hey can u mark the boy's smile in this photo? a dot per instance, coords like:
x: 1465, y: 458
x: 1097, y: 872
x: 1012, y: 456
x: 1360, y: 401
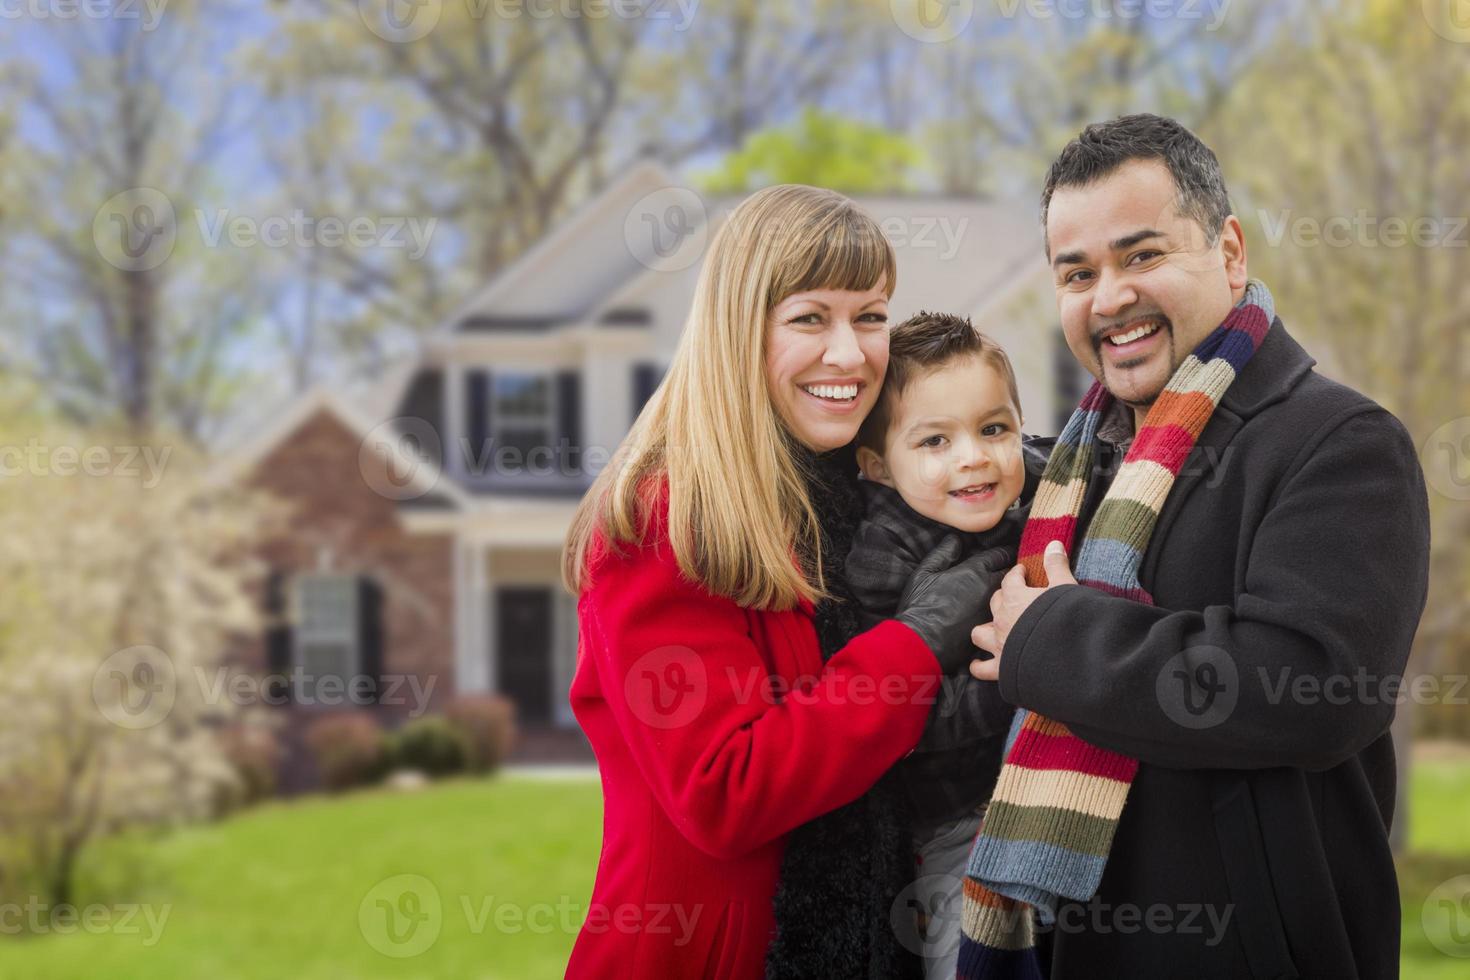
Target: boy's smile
x: 953, y: 449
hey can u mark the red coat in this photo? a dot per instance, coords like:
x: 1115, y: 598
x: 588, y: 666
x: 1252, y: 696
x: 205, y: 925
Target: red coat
x: 709, y: 757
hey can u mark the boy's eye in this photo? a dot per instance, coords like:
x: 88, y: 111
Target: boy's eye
x: 933, y: 442
x: 995, y: 429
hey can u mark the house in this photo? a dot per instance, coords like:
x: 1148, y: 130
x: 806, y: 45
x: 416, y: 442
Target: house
x: 431, y: 511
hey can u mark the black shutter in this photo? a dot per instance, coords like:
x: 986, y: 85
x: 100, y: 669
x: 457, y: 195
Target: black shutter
x: 645, y: 380
x: 370, y: 634
x: 277, y: 636
x: 569, y: 420
x: 477, y: 422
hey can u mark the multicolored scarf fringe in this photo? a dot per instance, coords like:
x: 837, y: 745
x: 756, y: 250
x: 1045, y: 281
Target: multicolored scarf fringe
x: 1056, y: 806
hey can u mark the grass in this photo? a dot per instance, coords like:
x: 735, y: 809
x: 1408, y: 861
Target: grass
x: 301, y: 889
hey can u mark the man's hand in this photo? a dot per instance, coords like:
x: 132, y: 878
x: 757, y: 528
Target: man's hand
x: 1008, y: 603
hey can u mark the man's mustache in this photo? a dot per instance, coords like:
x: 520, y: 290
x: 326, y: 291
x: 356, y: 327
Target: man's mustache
x: 1101, y: 325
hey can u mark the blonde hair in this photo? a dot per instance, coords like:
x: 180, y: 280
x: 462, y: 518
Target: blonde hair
x: 740, y: 520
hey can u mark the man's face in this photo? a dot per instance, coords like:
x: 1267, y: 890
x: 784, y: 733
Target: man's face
x: 1137, y: 286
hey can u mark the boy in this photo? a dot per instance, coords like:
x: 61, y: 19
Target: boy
x: 942, y: 456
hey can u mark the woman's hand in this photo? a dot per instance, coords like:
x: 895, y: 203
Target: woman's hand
x: 942, y: 603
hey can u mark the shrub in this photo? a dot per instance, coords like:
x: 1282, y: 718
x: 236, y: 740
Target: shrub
x: 432, y: 745
x: 348, y: 749
x: 488, y: 724
x: 254, y: 753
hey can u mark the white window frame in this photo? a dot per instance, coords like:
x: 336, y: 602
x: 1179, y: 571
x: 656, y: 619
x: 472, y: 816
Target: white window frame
x: 308, y: 629
x: 563, y: 655
x: 498, y: 416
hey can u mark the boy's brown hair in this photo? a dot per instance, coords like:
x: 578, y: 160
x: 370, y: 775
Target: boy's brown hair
x: 924, y: 343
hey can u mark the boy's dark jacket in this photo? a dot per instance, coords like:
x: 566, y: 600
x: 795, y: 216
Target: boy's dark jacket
x: 954, y: 766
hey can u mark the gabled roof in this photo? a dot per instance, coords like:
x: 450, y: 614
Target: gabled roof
x: 425, y: 477
x: 572, y: 268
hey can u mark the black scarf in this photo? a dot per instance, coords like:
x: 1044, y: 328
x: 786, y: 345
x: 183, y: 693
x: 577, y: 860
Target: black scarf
x: 843, y: 872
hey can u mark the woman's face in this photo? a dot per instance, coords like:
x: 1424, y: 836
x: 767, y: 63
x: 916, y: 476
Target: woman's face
x: 826, y: 351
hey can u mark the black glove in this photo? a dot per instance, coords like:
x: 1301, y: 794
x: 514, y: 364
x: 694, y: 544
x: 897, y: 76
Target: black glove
x: 943, y: 604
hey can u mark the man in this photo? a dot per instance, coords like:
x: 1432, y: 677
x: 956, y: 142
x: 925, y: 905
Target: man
x: 1248, y: 657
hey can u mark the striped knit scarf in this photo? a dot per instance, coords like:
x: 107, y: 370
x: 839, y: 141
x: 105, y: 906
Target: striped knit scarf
x: 1051, y: 820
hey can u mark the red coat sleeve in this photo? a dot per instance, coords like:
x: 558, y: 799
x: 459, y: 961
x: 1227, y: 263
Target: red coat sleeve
x: 733, y: 765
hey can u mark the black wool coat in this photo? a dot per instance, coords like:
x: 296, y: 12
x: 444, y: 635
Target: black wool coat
x: 1289, y: 569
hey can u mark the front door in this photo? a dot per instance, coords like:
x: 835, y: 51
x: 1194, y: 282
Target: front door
x: 523, y: 638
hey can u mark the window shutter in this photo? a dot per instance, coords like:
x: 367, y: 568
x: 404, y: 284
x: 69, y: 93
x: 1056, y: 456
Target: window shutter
x: 277, y: 635
x: 569, y: 417
x: 646, y: 377
x: 477, y: 422
x: 370, y: 634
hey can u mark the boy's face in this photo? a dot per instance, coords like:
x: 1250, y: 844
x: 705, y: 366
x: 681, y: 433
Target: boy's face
x: 953, y: 448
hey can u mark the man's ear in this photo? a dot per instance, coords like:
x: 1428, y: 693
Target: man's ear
x: 1232, y: 246
x: 873, y: 466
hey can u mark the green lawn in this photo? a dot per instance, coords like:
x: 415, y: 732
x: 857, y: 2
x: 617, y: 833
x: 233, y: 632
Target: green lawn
x: 314, y: 889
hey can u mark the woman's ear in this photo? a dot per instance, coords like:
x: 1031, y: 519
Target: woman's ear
x: 873, y: 467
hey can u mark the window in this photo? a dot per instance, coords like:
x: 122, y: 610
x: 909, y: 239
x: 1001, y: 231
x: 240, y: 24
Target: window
x: 326, y: 633
x: 522, y: 419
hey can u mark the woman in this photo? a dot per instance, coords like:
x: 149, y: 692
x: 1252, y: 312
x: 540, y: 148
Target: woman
x: 720, y: 680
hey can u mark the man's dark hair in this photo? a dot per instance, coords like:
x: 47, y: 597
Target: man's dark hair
x: 924, y: 343
x: 1102, y: 148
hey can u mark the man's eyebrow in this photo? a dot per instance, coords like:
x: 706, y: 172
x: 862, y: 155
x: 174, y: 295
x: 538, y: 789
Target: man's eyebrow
x: 1128, y: 241
x: 1077, y: 257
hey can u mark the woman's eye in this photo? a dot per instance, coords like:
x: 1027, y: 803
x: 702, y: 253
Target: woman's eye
x: 806, y: 318
x: 874, y: 317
